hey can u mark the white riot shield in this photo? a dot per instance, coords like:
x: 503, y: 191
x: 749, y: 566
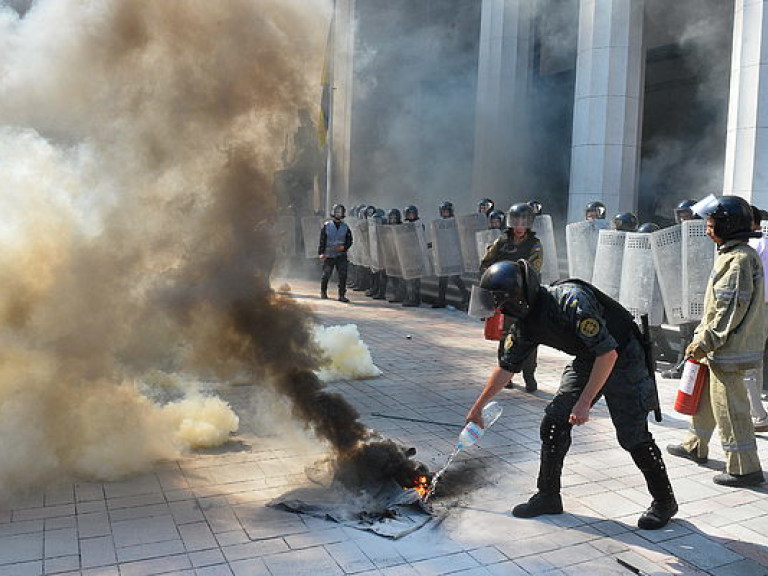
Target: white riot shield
x: 446, y: 249
x: 352, y: 253
x: 389, y: 250
x: 375, y: 246
x: 666, y: 246
x: 468, y: 226
x: 581, y: 246
x: 764, y: 227
x: 310, y: 229
x: 411, y: 245
x: 698, y: 259
x: 284, y: 233
x: 363, y: 250
x: 484, y: 239
x: 639, y: 291
x: 606, y: 274
x: 542, y: 226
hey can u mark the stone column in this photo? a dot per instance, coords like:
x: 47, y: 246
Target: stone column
x: 746, y: 151
x: 605, y: 151
x: 504, y: 68
x: 342, y: 84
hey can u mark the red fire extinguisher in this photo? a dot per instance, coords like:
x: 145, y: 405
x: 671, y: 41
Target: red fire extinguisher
x: 494, y: 326
x: 695, y: 377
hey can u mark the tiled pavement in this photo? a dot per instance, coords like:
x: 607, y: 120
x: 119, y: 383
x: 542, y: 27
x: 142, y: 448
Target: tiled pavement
x: 205, y: 514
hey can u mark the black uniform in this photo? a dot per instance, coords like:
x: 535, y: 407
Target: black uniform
x: 576, y: 319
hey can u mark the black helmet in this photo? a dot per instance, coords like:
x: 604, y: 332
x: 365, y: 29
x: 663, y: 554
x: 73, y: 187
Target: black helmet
x: 411, y: 213
x: 595, y: 211
x: 626, y: 221
x: 732, y: 216
x: 515, y: 286
x: 648, y: 227
x: 369, y: 210
x: 536, y: 206
x: 683, y: 211
x: 393, y: 216
x: 338, y: 211
x: 520, y: 214
x: 378, y: 216
x: 485, y: 206
x: 446, y: 209
x: 496, y: 219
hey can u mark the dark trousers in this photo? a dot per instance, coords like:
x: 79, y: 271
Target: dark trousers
x: 340, y: 263
x: 442, y: 288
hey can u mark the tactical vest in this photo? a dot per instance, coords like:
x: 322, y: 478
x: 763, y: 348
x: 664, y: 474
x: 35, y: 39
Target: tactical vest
x: 334, y: 238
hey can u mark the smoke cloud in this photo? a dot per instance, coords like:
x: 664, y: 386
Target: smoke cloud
x: 137, y: 144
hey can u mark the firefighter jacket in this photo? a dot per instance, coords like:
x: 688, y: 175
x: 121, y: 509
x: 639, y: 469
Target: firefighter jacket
x: 732, y: 327
x: 504, y: 249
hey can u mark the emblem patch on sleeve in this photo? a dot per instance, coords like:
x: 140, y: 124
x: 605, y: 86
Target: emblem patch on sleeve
x: 589, y: 327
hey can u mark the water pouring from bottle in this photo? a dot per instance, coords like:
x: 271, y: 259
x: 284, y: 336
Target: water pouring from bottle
x: 471, y: 433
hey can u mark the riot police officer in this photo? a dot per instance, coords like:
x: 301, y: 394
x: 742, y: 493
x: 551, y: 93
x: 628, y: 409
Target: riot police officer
x: 496, y: 220
x: 625, y: 222
x: 394, y: 218
x: 684, y: 211
x: 412, y: 286
x: 609, y: 360
x: 594, y: 211
x: 335, y: 240
x: 446, y: 211
x: 518, y: 242
x: 485, y: 206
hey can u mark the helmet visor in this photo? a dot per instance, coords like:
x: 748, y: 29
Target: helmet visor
x: 706, y: 206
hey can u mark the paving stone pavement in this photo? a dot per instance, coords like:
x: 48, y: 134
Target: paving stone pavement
x: 205, y: 514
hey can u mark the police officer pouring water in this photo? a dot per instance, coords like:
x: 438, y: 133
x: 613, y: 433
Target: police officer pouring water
x: 335, y: 240
x: 610, y: 360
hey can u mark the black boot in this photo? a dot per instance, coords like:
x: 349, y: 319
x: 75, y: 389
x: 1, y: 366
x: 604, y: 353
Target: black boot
x: 647, y: 457
x: 555, y: 441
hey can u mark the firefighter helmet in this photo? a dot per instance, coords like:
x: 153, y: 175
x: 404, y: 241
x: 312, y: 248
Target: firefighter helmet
x: 732, y: 216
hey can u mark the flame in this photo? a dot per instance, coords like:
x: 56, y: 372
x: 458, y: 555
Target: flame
x: 421, y: 485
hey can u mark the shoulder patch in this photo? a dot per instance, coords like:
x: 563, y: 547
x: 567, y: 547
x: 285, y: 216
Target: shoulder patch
x: 589, y: 327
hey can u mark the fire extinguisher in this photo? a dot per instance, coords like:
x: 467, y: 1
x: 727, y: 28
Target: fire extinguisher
x: 695, y: 376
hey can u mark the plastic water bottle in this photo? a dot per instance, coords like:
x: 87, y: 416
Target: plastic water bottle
x: 472, y: 432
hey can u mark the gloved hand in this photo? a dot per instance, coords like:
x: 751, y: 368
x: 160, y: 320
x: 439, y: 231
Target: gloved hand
x: 694, y: 351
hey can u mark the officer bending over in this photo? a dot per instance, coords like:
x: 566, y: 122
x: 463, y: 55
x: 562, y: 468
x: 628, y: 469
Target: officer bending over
x: 609, y: 360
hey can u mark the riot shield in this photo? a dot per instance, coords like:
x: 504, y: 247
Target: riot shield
x: 284, y: 233
x: 468, y: 226
x: 446, y: 249
x: 389, y: 250
x: 581, y: 246
x: 639, y: 291
x: 310, y: 229
x: 363, y: 250
x: 542, y: 226
x: 352, y: 253
x: 375, y: 245
x: 411, y: 245
x: 606, y: 274
x: 698, y: 257
x: 484, y: 239
x: 666, y: 246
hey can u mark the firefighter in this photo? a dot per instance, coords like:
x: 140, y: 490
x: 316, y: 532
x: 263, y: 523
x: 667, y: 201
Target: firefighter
x: 610, y: 360
x: 518, y: 242
x: 729, y: 338
x: 335, y: 240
